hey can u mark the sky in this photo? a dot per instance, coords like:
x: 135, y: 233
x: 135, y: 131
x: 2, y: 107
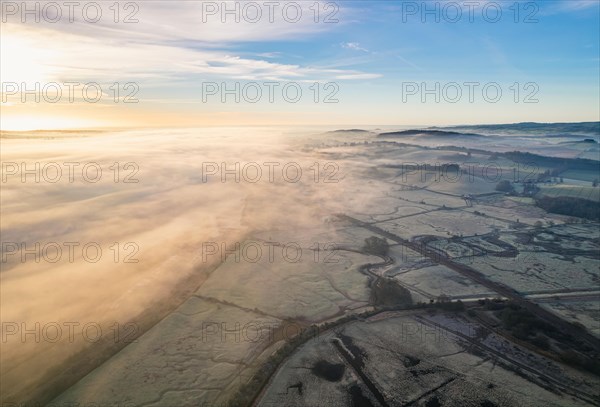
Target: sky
x: 198, y: 63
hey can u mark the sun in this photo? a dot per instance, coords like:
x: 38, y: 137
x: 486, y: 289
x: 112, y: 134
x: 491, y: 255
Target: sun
x: 21, y: 60
x: 28, y: 60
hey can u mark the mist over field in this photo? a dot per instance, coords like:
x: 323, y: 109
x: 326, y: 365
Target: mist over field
x: 107, y: 236
x: 161, y: 207
x: 281, y: 203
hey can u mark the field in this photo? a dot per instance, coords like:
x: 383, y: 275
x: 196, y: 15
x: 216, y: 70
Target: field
x: 435, y: 281
x: 421, y: 359
x: 216, y: 338
x: 574, y: 191
x: 584, y: 312
x: 286, y: 259
x: 588, y: 176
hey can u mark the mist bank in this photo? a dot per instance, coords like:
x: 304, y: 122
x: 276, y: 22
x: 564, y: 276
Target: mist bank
x: 103, y: 235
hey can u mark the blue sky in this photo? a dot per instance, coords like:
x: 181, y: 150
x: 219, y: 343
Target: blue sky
x: 374, y: 51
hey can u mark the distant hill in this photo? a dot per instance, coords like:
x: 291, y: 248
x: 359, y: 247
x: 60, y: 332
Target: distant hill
x: 349, y: 131
x: 558, y: 129
x: 430, y: 133
x: 587, y: 141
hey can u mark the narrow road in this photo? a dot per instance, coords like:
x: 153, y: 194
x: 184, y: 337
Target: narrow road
x: 350, y: 359
x: 479, y: 278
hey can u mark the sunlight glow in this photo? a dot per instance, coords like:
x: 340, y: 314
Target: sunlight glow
x: 22, y: 61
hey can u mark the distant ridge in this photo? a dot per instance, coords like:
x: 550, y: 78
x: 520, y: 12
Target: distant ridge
x: 585, y: 141
x: 438, y: 133
x: 553, y: 128
x: 349, y: 131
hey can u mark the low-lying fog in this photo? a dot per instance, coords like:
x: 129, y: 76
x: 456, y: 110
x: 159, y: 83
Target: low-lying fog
x: 100, y: 229
x: 83, y: 247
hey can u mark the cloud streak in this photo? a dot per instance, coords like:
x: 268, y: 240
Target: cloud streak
x: 170, y: 40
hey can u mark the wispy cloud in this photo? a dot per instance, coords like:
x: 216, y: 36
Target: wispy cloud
x: 575, y: 5
x: 269, y: 55
x: 171, y: 41
x: 355, y: 76
x: 354, y: 46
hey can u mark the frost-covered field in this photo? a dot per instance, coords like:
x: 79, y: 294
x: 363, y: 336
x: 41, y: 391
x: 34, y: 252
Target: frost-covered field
x: 418, y: 360
x: 442, y: 223
x: 314, y: 288
x: 161, y: 218
x: 195, y: 306
x: 539, y: 271
x: 439, y: 280
x: 210, y: 345
x: 586, y: 313
x: 190, y: 357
